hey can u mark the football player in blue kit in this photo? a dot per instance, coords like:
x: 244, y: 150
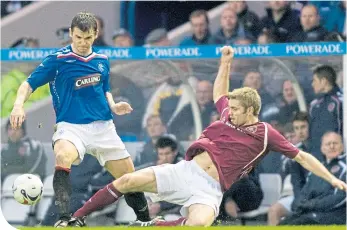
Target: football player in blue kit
x: 78, y: 77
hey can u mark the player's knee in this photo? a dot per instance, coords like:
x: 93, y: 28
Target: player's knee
x: 198, y: 221
x: 63, y: 158
x: 125, y: 183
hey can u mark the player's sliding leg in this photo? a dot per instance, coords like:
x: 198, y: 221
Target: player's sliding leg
x: 198, y: 215
x: 65, y: 154
x: 140, y: 181
x: 137, y: 201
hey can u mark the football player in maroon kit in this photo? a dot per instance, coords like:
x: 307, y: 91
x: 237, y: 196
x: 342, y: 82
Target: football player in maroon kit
x: 226, y: 150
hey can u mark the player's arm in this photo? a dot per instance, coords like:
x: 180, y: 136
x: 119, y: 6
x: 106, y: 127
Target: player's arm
x: 310, y: 163
x: 120, y: 108
x: 18, y: 115
x: 221, y: 84
x: 277, y: 143
x: 23, y: 94
x: 44, y: 73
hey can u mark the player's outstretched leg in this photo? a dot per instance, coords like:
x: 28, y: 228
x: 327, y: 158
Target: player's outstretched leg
x: 137, y: 200
x: 198, y: 215
x: 140, y: 181
x: 65, y: 154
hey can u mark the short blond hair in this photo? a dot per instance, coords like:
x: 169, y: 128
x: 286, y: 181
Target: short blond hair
x: 248, y: 97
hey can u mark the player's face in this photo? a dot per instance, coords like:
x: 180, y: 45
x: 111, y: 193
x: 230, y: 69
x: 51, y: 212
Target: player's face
x: 82, y: 41
x: 332, y: 146
x: 301, y: 130
x: 237, y: 113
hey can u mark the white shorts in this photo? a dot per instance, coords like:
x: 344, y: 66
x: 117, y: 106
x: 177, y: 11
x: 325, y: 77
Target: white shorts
x: 185, y: 183
x: 98, y: 138
x: 287, y: 202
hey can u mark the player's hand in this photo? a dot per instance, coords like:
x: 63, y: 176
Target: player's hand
x: 121, y: 108
x: 339, y: 184
x: 17, y: 117
x: 227, y: 54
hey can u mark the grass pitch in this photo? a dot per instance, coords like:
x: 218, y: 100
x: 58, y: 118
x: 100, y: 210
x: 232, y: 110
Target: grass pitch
x: 197, y: 228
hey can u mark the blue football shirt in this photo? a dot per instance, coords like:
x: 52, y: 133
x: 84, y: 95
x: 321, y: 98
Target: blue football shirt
x: 78, y: 85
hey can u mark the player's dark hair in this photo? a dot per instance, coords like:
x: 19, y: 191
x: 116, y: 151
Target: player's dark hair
x: 85, y: 22
x: 327, y: 72
x: 300, y: 116
x: 166, y: 141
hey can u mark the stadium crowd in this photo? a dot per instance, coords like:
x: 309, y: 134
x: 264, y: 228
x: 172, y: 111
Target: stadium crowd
x: 167, y: 119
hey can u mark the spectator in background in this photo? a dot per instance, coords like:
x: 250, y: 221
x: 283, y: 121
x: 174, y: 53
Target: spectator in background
x: 171, y: 96
x: 100, y: 39
x: 248, y: 19
x: 26, y: 42
x: 214, y: 117
x: 253, y: 79
x: 122, y: 38
x: 9, y: 7
x: 123, y: 89
x: 183, y: 124
x: 157, y: 37
x: 63, y: 35
x: 326, y: 110
x: 155, y: 128
x: 167, y: 149
x: 339, y: 80
x: 288, y: 132
x: 22, y: 154
x: 298, y: 174
x: 240, y: 67
x: 288, y: 104
x: 230, y: 30
x: 200, y: 28
x: 336, y: 22
x: 311, y: 31
x: 282, y: 20
x: 243, y: 196
x: 318, y: 203
x: 267, y: 37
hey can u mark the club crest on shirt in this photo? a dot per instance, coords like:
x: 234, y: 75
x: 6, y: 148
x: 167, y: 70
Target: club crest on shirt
x: 331, y: 107
x: 89, y: 80
x: 335, y: 169
x: 101, y: 67
x: 251, y: 129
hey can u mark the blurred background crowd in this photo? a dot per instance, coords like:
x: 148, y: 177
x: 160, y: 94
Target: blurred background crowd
x: 302, y: 98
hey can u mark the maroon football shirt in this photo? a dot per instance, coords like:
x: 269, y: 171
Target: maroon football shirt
x: 235, y: 151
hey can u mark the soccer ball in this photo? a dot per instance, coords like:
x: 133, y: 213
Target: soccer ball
x: 27, y: 189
